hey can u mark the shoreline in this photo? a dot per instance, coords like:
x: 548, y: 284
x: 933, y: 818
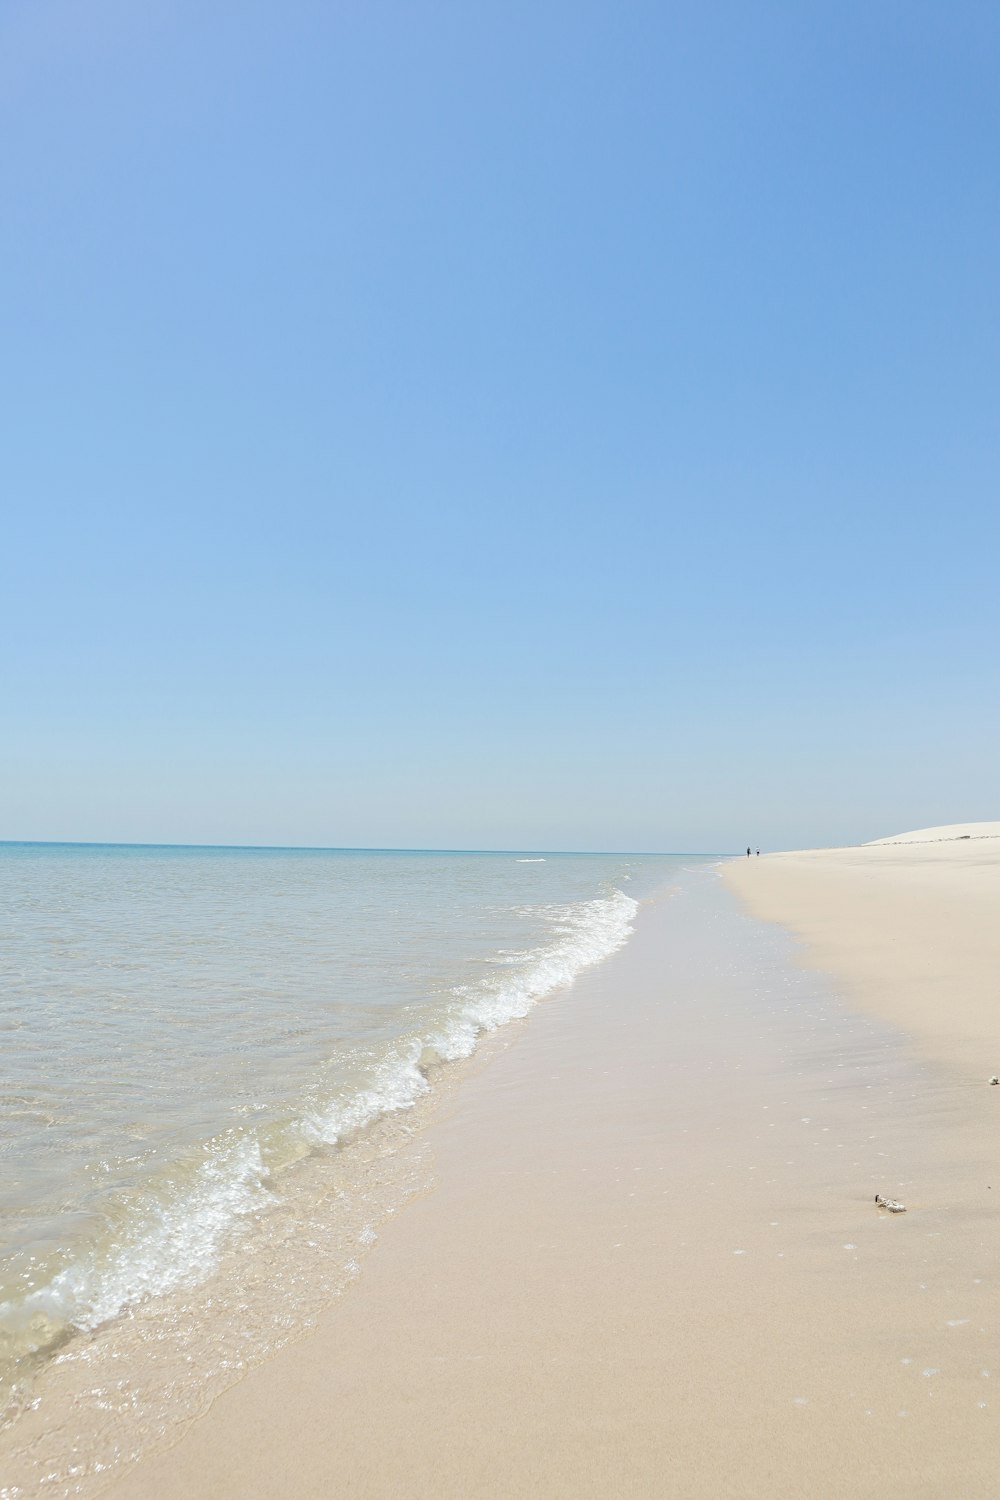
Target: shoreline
x: 248, y: 1228
x: 93, y: 1397
x: 641, y: 1252
x: 651, y: 1259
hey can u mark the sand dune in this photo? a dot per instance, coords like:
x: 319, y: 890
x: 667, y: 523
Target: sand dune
x: 943, y: 833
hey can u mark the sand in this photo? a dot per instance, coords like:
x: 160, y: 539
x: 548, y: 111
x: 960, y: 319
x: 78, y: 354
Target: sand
x: 650, y: 1263
x: 911, y: 927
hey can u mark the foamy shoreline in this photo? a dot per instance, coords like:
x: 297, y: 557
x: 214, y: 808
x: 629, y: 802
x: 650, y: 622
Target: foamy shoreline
x: 239, y: 1244
x: 188, y: 1028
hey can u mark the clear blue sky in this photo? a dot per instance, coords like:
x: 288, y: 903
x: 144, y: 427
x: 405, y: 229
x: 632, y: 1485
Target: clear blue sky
x: 514, y: 425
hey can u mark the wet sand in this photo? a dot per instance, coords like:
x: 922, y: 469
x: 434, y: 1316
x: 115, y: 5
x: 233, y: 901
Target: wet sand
x: 650, y: 1263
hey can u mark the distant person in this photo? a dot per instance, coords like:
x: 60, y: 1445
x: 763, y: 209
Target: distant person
x: 758, y: 854
x: 748, y: 851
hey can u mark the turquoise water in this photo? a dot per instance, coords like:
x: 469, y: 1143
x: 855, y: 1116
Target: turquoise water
x: 181, y: 1026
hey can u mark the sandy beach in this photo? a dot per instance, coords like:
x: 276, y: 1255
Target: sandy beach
x: 650, y: 1262
x: 909, y: 926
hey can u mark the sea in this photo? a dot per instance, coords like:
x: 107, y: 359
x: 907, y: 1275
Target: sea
x: 215, y: 1062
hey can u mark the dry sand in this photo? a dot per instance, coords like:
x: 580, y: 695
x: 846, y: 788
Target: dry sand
x: 909, y: 924
x: 651, y: 1264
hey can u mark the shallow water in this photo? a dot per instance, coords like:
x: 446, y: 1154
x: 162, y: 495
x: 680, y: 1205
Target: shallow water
x: 184, y: 1025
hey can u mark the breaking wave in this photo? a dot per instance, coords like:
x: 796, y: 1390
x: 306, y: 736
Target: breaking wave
x: 172, y: 1232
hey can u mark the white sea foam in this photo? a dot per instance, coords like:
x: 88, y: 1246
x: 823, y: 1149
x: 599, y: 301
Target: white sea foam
x: 168, y: 1238
x: 588, y: 932
x: 396, y: 1083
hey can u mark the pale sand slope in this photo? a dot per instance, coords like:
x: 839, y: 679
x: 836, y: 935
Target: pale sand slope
x: 910, y: 924
x: 652, y: 1266
x: 946, y: 833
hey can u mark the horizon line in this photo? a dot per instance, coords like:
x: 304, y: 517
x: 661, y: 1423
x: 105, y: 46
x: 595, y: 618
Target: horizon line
x: 330, y: 848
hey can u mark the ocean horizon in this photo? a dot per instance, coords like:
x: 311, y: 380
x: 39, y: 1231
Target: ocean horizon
x: 352, y: 848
